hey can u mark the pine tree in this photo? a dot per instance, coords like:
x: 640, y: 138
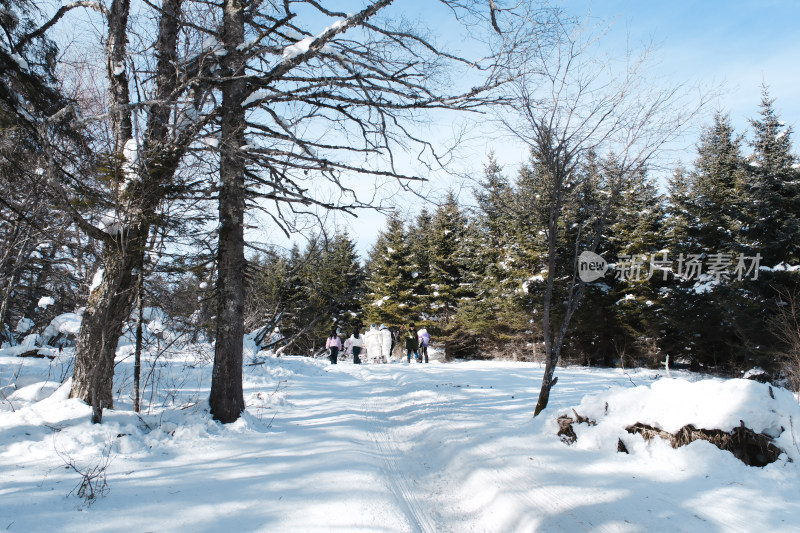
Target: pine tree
x: 638, y: 219
x: 723, y: 212
x: 489, y: 241
x: 678, y: 212
x: 531, y: 198
x: 490, y: 317
x: 389, y: 282
x: 419, y: 261
x: 298, y: 292
x: 343, y: 281
x: 595, y: 327
x: 636, y: 243
x: 28, y: 86
x: 774, y: 226
x: 448, y: 228
x: 494, y: 201
x: 716, y: 189
x: 446, y: 286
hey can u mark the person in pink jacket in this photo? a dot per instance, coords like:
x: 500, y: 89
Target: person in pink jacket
x: 333, y: 345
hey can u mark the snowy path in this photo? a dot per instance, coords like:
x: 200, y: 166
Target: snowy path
x: 385, y: 448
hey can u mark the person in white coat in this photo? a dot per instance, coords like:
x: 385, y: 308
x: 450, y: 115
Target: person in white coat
x: 386, y: 344
x: 372, y: 343
x: 356, y: 341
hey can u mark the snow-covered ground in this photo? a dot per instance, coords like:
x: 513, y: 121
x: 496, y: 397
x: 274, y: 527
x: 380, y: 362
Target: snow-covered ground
x: 397, y: 447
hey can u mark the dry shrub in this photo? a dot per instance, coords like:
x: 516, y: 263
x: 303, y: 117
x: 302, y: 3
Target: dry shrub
x: 565, y: 430
x: 753, y: 449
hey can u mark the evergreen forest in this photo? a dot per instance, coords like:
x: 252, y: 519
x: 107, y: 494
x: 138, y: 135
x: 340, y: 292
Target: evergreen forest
x: 699, y: 267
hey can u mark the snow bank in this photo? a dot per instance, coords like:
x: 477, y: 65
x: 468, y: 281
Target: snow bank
x: 670, y: 404
x: 35, y: 392
x: 67, y: 324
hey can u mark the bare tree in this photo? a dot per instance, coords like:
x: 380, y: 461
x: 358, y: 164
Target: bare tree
x: 149, y: 133
x: 572, y: 106
x: 305, y: 112
x: 286, y: 107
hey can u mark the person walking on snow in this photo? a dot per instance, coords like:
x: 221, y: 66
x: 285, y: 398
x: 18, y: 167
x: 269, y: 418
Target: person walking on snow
x: 372, y: 343
x: 412, y: 344
x: 424, y: 339
x: 356, y: 342
x: 386, y: 344
x: 333, y: 345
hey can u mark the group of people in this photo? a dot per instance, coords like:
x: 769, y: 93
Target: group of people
x: 417, y: 344
x: 376, y: 344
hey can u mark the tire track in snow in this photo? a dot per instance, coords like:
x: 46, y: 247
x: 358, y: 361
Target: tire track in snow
x: 396, y: 476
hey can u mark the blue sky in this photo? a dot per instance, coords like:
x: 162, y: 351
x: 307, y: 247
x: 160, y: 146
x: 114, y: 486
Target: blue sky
x: 734, y: 46
x: 736, y: 43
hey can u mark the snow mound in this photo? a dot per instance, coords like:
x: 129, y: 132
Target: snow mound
x: 670, y: 404
x: 67, y: 324
x: 35, y: 392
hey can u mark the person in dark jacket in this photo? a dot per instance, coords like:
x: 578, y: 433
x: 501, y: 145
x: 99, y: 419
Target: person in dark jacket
x: 412, y: 344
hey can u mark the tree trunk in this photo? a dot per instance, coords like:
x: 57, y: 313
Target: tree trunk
x: 137, y: 356
x: 547, y: 384
x: 5, y: 333
x: 110, y: 304
x: 227, y: 397
x: 108, y: 307
x: 116, y: 58
x: 551, y: 352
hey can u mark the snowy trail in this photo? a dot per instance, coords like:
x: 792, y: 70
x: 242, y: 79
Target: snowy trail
x: 538, y: 500
x: 386, y: 448
x: 394, y: 471
x: 429, y: 400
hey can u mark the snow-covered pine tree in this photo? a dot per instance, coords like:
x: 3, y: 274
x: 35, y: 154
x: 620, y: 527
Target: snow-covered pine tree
x: 532, y: 196
x: 447, y: 256
x: 595, y: 329
x: 678, y: 214
x: 772, y: 218
x: 492, y: 315
x: 295, y: 317
x: 37, y: 242
x: 718, y: 323
x: 27, y: 68
x: 323, y: 288
x: 342, y: 281
x: 419, y: 261
x: 717, y: 184
x: 774, y: 179
x: 389, y: 284
x: 635, y: 242
x: 446, y: 243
